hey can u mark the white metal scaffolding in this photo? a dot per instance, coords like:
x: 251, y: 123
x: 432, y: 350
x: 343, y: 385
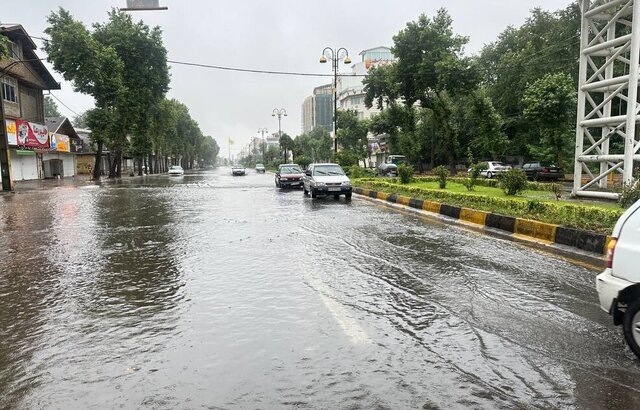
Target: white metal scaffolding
x: 607, y: 121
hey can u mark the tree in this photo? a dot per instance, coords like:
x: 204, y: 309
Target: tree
x: 80, y: 120
x: 353, y: 133
x: 550, y: 106
x: 286, y: 144
x: 430, y: 72
x: 123, y: 65
x: 50, y: 107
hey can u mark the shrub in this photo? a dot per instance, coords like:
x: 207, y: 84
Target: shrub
x: 630, y: 194
x: 356, y: 172
x: 513, y: 181
x: 405, y: 172
x: 442, y: 173
x: 474, y: 174
x: 557, y: 190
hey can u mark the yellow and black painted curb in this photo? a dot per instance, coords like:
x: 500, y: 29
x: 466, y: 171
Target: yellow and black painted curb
x: 525, y: 228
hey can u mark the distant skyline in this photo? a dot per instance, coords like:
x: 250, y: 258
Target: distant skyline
x: 283, y: 35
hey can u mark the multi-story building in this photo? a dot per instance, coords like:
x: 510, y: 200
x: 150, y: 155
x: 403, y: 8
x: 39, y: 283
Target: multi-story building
x: 30, y: 142
x: 317, y: 109
x: 350, y: 88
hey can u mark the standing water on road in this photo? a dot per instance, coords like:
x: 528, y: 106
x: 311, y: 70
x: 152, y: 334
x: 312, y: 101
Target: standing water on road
x: 209, y: 290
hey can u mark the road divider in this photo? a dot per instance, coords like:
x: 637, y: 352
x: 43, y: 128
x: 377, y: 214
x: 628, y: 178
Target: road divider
x: 541, y: 232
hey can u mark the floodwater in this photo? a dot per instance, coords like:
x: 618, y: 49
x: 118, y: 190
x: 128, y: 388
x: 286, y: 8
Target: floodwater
x: 213, y: 291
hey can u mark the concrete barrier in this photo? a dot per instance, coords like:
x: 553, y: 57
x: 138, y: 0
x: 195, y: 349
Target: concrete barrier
x: 544, y: 232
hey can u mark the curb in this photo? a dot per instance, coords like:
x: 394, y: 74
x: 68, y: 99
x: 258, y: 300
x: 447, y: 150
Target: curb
x: 577, y: 242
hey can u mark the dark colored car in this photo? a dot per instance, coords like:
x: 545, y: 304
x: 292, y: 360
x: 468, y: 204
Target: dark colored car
x: 542, y: 170
x: 388, y: 169
x: 289, y: 176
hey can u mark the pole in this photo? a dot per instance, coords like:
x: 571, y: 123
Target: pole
x: 335, y: 104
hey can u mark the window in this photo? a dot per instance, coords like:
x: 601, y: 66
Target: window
x: 9, y: 90
x: 14, y: 51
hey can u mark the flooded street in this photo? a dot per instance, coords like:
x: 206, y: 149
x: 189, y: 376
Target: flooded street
x: 213, y: 291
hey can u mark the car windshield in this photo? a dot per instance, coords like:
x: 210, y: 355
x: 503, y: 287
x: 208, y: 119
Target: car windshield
x: 175, y: 167
x: 324, y: 170
x: 259, y: 166
x: 290, y: 170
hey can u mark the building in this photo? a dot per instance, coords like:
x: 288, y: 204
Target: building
x: 350, y: 88
x: 317, y: 109
x: 24, y: 78
x: 65, y: 144
x: 351, y: 96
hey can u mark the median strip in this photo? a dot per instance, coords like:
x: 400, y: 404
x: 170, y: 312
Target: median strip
x: 541, y: 232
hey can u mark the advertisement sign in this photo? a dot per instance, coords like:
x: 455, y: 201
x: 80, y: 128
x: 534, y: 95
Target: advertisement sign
x: 32, y: 135
x: 12, y: 133
x: 59, y: 142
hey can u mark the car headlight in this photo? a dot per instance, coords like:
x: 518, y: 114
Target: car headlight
x: 320, y: 184
x: 346, y: 183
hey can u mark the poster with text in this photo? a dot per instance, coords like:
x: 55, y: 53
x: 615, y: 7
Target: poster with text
x: 32, y: 135
x: 12, y: 133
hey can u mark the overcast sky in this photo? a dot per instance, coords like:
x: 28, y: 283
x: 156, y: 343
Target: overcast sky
x: 286, y: 35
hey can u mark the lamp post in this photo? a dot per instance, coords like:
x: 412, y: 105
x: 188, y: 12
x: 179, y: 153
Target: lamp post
x: 335, y: 56
x: 264, y: 145
x: 279, y: 113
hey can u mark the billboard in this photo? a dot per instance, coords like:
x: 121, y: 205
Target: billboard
x: 143, y: 5
x: 32, y: 135
x: 60, y: 142
x: 12, y: 133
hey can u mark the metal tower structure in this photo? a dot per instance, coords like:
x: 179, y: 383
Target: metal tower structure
x: 608, y: 109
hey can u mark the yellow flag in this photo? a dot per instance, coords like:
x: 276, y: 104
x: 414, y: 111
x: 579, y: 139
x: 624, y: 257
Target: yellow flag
x: 230, y: 141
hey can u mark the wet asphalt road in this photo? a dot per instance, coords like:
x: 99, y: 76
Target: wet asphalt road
x: 209, y: 291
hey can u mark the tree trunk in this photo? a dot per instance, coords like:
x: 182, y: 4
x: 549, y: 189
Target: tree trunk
x: 151, y: 168
x: 98, y: 163
x: 112, y: 165
x: 119, y: 165
x: 139, y: 161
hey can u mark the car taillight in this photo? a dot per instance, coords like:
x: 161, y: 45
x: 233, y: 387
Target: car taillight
x: 546, y: 170
x: 611, y: 248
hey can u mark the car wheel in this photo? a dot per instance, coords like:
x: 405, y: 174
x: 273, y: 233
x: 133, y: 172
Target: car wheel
x: 336, y: 197
x: 348, y: 196
x: 313, y: 193
x: 631, y: 327
x: 536, y: 177
x: 489, y: 174
x: 304, y: 190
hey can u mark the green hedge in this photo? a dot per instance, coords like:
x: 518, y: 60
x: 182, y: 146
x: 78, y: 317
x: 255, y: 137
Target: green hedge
x: 491, y: 183
x: 591, y: 218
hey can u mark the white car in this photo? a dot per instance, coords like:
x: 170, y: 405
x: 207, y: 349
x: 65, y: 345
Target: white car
x: 619, y: 285
x: 176, y: 170
x: 493, y: 168
x: 260, y: 168
x: 237, y: 170
x: 326, y: 179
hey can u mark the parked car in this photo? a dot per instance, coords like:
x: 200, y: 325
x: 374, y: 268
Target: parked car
x: 326, y: 179
x: 237, y: 170
x: 390, y: 165
x: 289, y: 176
x: 492, y: 168
x: 388, y: 169
x: 542, y: 170
x: 176, y: 170
x: 619, y: 285
x: 260, y: 168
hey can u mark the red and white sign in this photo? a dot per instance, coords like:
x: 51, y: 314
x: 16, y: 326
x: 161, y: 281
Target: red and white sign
x: 32, y: 135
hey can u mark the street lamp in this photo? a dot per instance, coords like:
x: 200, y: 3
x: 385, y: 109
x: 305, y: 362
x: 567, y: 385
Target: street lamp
x: 279, y: 113
x: 335, y: 56
x: 264, y: 145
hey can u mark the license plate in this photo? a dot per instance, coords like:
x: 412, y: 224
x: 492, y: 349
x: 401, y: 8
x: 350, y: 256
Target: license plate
x: 295, y: 183
x: 554, y: 170
x: 334, y: 189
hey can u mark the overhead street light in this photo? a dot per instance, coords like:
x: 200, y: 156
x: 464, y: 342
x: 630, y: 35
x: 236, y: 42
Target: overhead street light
x: 335, y: 56
x: 279, y: 113
x: 144, y: 5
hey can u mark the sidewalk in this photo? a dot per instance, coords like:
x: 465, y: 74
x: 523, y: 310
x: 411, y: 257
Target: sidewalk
x: 45, y: 184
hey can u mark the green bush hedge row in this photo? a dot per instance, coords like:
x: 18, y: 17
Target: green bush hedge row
x: 491, y: 183
x: 594, y: 219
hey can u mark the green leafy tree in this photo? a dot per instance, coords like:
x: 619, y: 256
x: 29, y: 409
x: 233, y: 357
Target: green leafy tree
x: 51, y: 108
x: 286, y: 144
x: 123, y: 65
x: 80, y: 120
x: 353, y: 133
x: 550, y: 106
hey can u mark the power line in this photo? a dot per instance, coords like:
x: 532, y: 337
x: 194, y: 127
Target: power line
x: 65, y: 105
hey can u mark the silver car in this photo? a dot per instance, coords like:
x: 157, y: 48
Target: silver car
x: 326, y: 179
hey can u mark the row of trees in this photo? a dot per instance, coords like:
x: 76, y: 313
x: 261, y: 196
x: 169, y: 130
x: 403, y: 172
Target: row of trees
x: 518, y: 97
x: 123, y: 66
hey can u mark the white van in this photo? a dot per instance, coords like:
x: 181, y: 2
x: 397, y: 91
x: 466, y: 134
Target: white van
x: 619, y: 285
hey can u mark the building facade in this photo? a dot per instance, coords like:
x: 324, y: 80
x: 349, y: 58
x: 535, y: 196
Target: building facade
x: 317, y: 109
x: 23, y: 81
